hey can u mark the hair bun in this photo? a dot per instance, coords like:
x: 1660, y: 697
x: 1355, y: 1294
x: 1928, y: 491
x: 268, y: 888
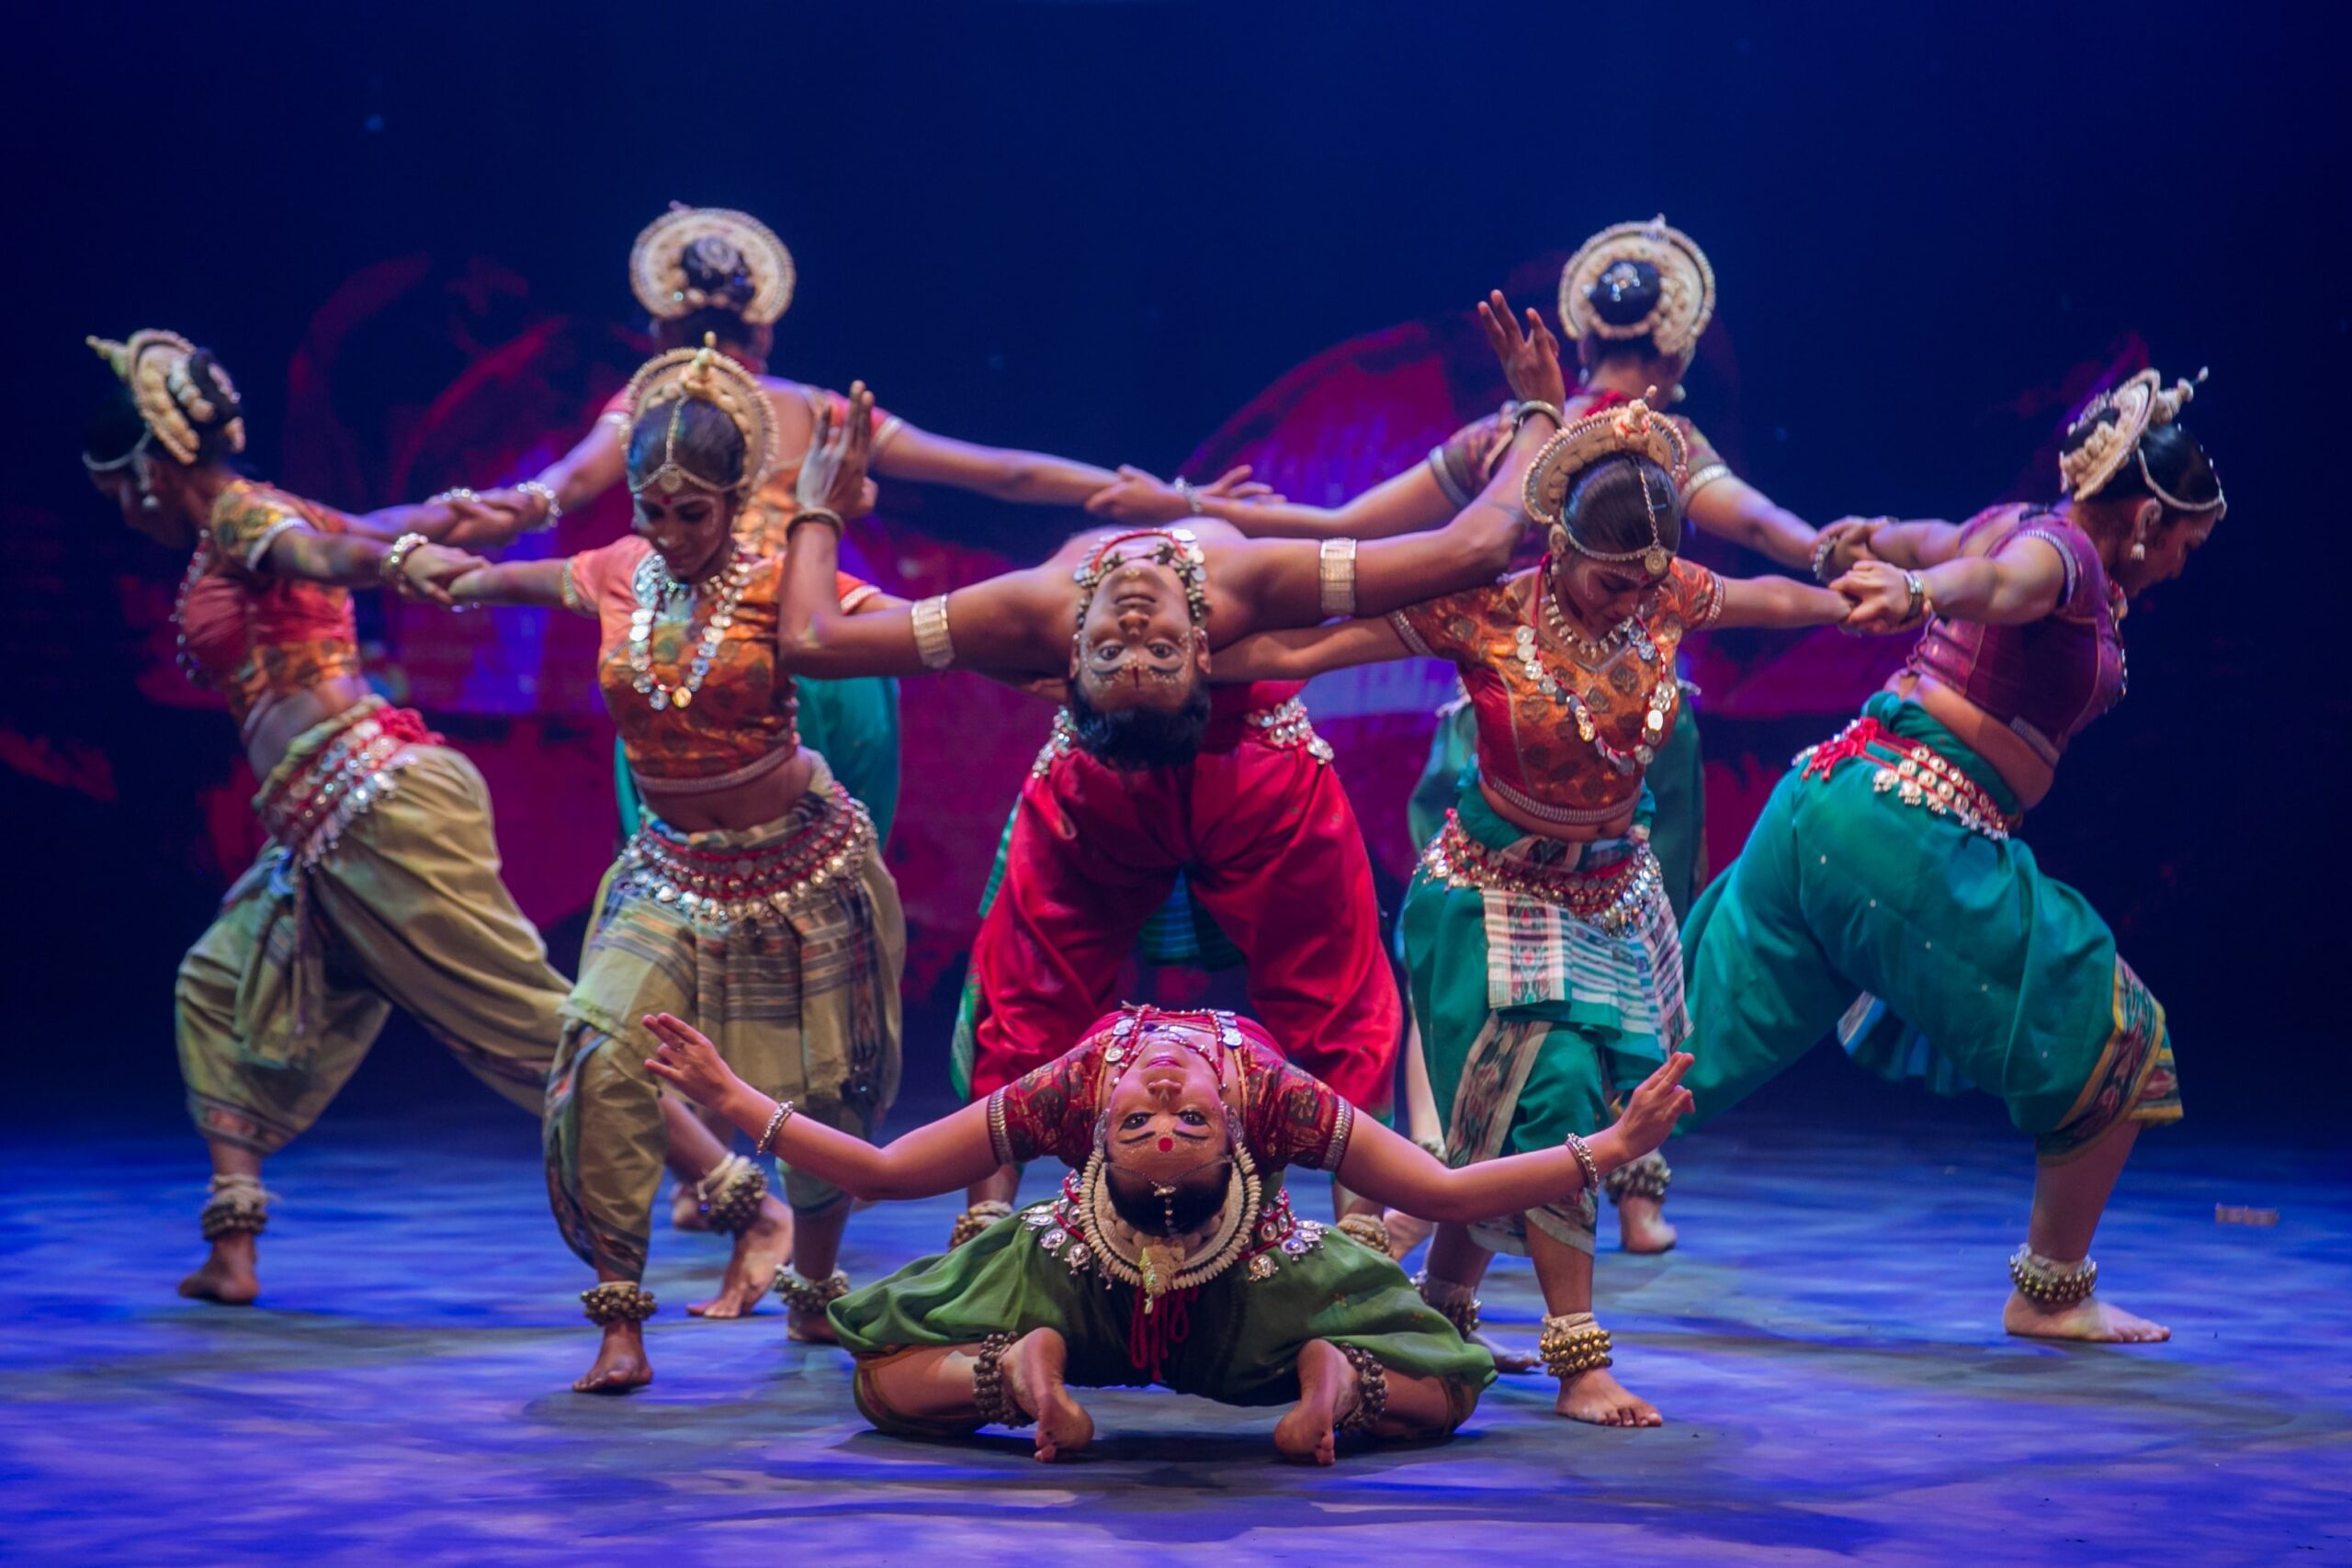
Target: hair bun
x: 716, y: 268
x: 1627, y: 293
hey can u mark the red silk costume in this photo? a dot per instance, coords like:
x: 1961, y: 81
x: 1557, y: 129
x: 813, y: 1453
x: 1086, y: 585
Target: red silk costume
x: 1261, y: 828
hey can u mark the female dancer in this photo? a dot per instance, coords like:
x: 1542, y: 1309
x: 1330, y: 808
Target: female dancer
x: 1145, y: 776
x: 378, y: 885
x: 753, y: 899
x: 1171, y: 1255
x: 1541, y: 947
x: 1635, y: 298
x: 1886, y: 858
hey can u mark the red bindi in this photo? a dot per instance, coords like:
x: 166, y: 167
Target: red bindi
x: 1166, y: 1143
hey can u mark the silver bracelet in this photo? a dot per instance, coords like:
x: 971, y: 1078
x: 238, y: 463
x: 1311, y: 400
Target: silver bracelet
x: 546, y: 492
x: 1536, y: 405
x: 1335, y: 565
x: 1192, y: 497
x: 932, y: 645
x: 766, y: 1146
x: 1823, y: 548
x: 455, y: 492
x: 1591, y: 1167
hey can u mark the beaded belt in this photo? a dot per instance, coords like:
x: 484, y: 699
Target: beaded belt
x: 1917, y: 774
x: 306, y: 812
x: 1617, y: 898
x: 716, y: 887
x: 1283, y: 725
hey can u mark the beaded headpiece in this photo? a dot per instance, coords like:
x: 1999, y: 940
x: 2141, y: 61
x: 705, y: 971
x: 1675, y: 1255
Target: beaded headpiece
x: 1686, y: 300
x: 2140, y: 405
x: 730, y: 241
x: 1630, y: 428
x: 1178, y: 549
x: 180, y: 400
x: 669, y: 382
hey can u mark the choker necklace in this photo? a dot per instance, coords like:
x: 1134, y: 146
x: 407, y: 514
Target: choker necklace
x: 654, y: 587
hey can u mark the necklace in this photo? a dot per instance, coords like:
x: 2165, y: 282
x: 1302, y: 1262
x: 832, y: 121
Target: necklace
x: 1665, y: 692
x: 654, y: 588
x: 196, y: 566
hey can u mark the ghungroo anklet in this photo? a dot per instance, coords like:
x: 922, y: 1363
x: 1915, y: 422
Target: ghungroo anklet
x: 1369, y: 1229
x: 618, y: 1300
x: 1457, y: 1302
x: 1648, y: 1177
x: 2046, y: 1283
x: 1372, y: 1392
x: 975, y: 1219
x: 1574, y: 1345
x: 991, y: 1390
x: 810, y: 1296
x: 730, y: 1194
x: 239, y: 1205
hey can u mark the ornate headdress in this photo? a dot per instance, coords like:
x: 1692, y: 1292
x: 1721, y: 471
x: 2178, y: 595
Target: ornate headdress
x: 182, y: 393
x: 1686, y: 298
x: 668, y: 381
x: 1178, y: 549
x: 731, y: 244
x: 2140, y: 405
x: 1629, y: 428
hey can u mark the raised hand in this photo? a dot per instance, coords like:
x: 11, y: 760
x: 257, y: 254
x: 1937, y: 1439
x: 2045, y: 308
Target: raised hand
x: 1652, y: 1109
x: 1880, y: 596
x: 833, y: 474
x: 687, y: 1060
x: 1530, y: 360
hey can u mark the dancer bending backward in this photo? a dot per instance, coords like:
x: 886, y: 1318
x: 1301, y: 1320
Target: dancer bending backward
x: 1542, y: 951
x: 753, y: 899
x: 1171, y: 1254
x: 378, y: 885
x: 1636, y: 297
x: 1147, y: 775
x: 1885, y: 860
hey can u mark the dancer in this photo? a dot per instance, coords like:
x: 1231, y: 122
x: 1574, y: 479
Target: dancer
x: 1887, y: 860
x: 1171, y: 1255
x: 1635, y: 298
x: 1541, y: 947
x: 753, y: 899
x: 378, y: 887
x: 1147, y: 775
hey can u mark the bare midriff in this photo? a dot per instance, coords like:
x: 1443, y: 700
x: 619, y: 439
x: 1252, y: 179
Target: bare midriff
x: 279, y: 718
x: 1567, y: 832
x: 749, y: 805
x: 2028, y: 776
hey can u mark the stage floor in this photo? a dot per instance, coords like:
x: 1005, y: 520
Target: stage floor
x: 1823, y: 1346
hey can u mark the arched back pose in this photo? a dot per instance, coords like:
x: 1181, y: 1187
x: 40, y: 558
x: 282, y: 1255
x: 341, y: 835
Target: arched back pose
x: 1887, y: 860
x: 1148, y: 775
x: 378, y: 885
x: 1635, y: 298
x: 753, y: 899
x: 1170, y: 1255
x: 1542, y: 951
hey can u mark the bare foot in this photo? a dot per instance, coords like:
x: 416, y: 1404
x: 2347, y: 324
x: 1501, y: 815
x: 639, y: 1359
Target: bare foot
x: 1642, y: 1227
x: 621, y: 1366
x: 760, y: 1251
x: 227, y: 1276
x: 1597, y: 1396
x: 1505, y: 1359
x: 810, y: 1328
x: 2090, y: 1319
x: 1327, y: 1391
x: 1406, y: 1230
x: 1033, y: 1366
x: 685, y: 1209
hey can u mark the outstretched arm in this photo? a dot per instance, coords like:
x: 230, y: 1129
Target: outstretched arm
x: 2021, y: 581
x: 945, y: 1156
x: 1402, y: 504
x: 512, y: 582
x: 1033, y: 479
x: 1781, y: 602
x: 1303, y: 652
x: 1731, y: 508
x: 355, y: 560
x: 1398, y: 1174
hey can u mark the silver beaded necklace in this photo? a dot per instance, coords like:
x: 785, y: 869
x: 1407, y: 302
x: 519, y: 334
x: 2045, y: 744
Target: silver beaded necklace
x: 654, y: 587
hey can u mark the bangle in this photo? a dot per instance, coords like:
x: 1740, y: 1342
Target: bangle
x: 1921, y: 606
x: 393, y: 567
x: 546, y: 492
x: 455, y: 492
x: 1192, y: 497
x: 824, y: 515
x: 766, y: 1146
x: 932, y: 645
x: 1335, y: 565
x: 1591, y: 1168
x: 1536, y: 405
x: 1823, y: 548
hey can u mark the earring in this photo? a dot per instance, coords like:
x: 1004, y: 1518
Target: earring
x: 2138, y: 550
x: 147, y: 502
x: 1560, y: 541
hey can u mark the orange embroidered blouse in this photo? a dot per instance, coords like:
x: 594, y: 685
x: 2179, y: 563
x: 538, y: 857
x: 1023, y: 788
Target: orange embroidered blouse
x: 1530, y: 754
x: 244, y: 629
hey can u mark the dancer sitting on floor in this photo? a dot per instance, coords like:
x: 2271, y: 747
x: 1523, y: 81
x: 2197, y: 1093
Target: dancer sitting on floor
x: 1171, y: 1255
x: 1885, y: 860
x: 1148, y: 775
x: 1542, y: 949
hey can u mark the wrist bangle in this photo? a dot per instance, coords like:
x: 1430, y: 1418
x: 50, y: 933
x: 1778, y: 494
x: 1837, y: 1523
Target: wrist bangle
x: 1536, y: 405
x: 393, y: 567
x: 455, y: 492
x: 932, y: 645
x: 1917, y: 588
x: 1823, y: 548
x: 766, y: 1146
x: 1335, y: 565
x: 1590, y: 1167
x: 1192, y: 497
x: 546, y: 492
x: 824, y: 516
